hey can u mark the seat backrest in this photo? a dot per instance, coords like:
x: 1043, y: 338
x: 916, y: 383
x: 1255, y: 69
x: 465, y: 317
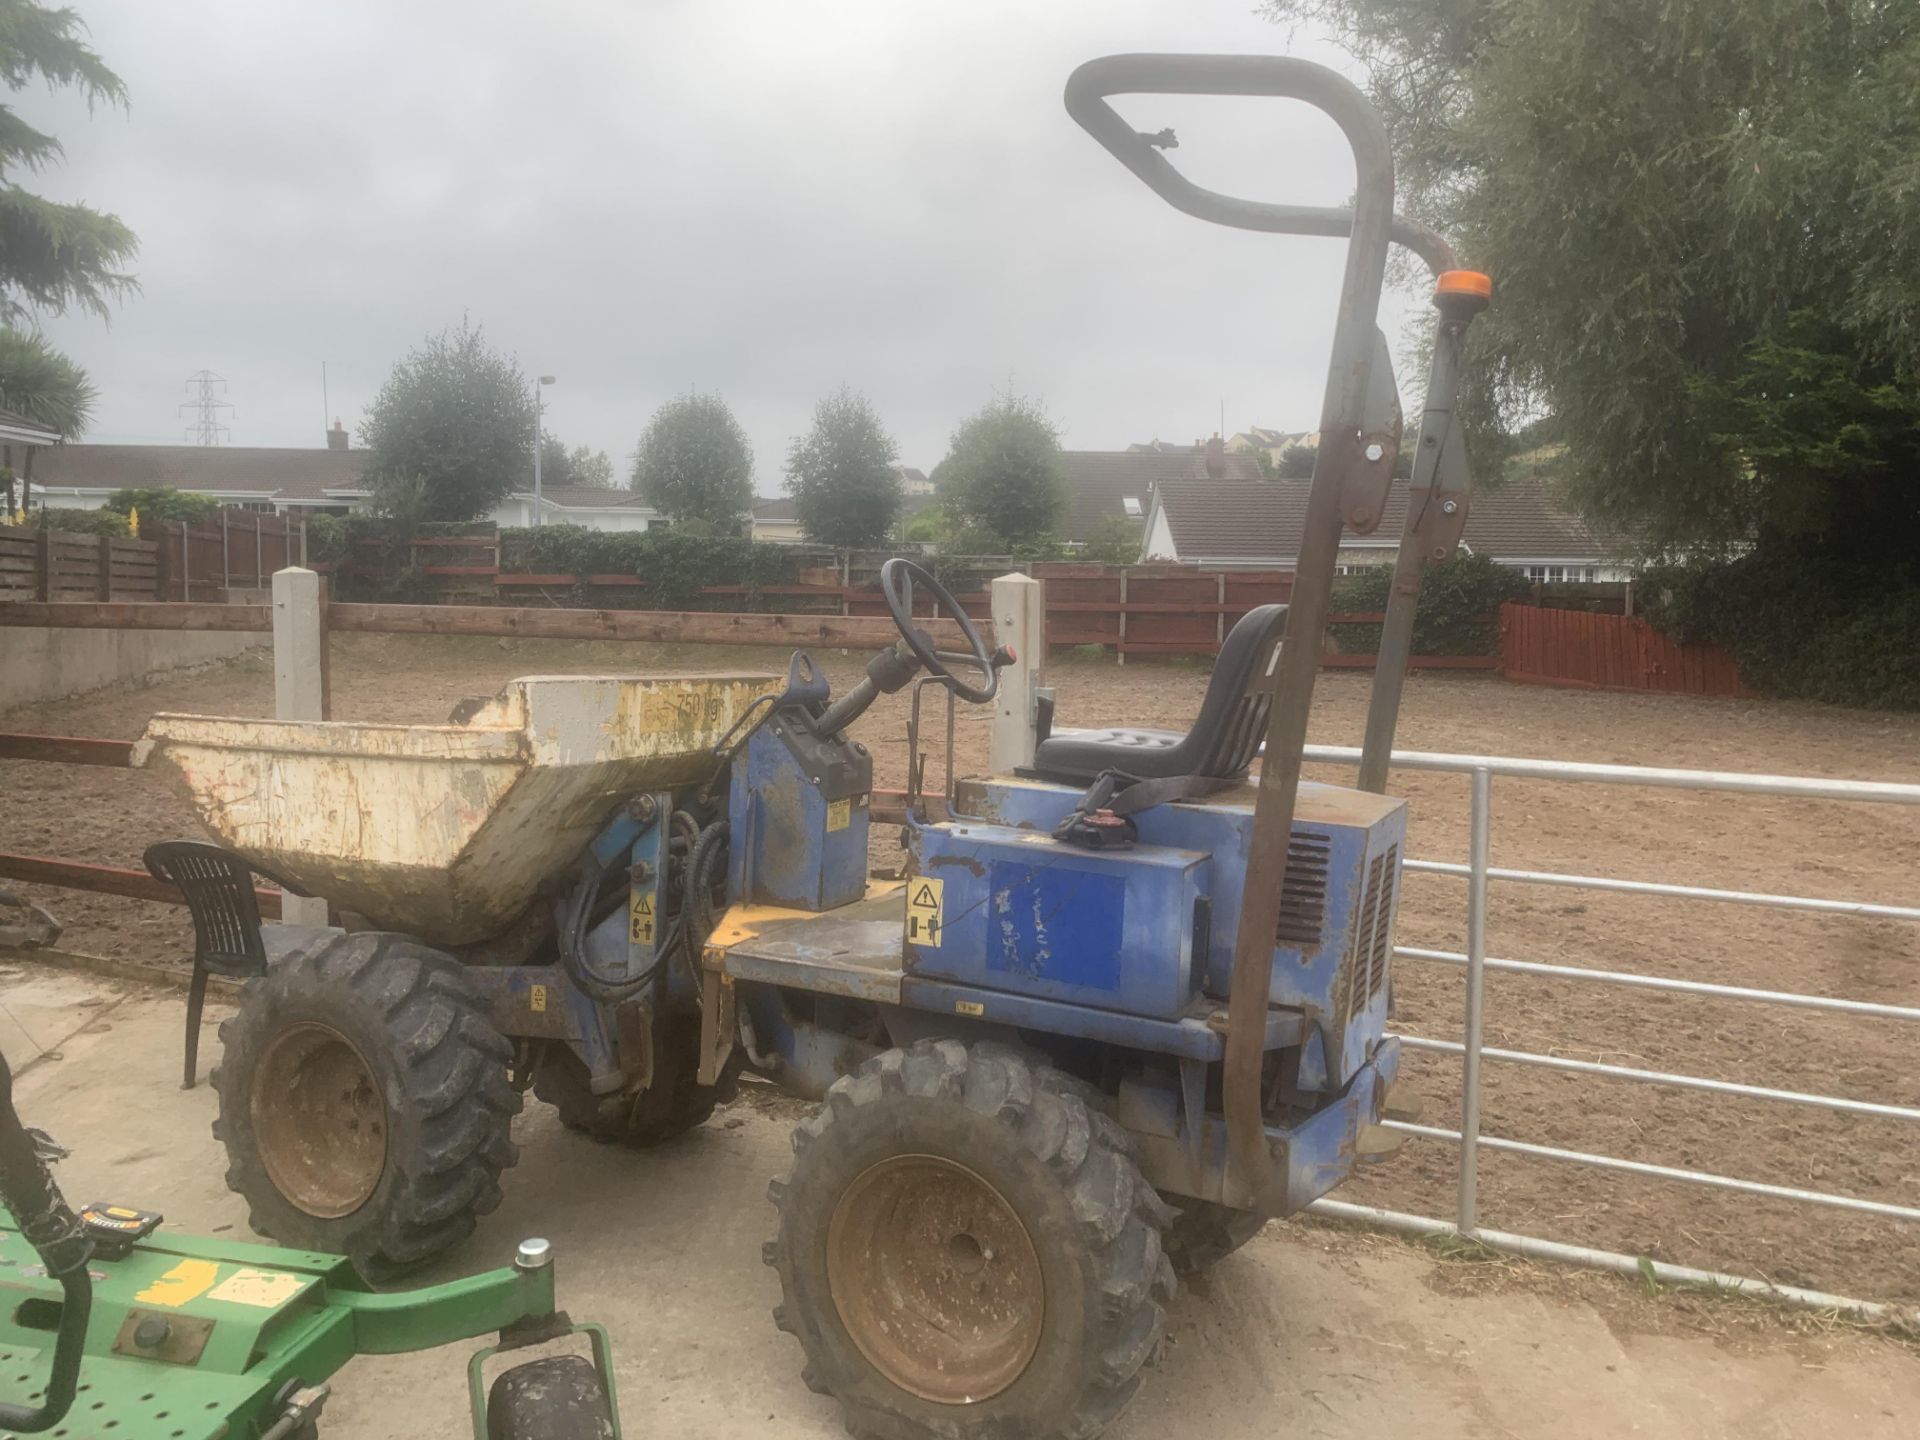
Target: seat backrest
x: 218, y: 887
x: 1233, y: 714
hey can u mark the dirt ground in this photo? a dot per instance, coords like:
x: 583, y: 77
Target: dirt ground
x: 1311, y: 1331
x: 1853, y: 851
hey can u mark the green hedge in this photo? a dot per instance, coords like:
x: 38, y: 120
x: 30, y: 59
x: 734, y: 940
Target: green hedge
x: 676, y: 566
x: 79, y: 522
x: 1800, y: 622
x: 1459, y: 606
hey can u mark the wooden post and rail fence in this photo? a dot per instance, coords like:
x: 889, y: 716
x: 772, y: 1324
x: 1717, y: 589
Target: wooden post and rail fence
x: 1569, y: 648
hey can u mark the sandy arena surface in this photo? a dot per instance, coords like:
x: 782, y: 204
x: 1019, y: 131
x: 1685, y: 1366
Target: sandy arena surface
x: 1849, y: 851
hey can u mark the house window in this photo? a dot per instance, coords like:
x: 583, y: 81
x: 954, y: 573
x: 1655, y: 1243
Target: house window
x: 1131, y: 504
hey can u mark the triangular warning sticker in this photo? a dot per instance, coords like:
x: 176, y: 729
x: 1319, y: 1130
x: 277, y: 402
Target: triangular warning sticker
x: 924, y: 898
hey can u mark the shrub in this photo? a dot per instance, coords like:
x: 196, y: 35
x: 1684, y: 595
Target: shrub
x: 163, y: 502
x: 79, y: 522
x: 326, y: 537
x: 1800, y: 621
x: 1459, y: 606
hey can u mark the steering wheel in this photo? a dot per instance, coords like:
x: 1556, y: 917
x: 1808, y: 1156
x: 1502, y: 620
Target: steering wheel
x: 897, y: 579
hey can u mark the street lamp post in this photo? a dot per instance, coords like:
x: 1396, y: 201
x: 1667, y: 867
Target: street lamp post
x: 539, y: 513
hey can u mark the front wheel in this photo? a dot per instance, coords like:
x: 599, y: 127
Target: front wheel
x: 364, y: 1102
x: 966, y: 1250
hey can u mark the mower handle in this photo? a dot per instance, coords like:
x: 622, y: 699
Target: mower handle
x: 1278, y: 76
x: 50, y: 1226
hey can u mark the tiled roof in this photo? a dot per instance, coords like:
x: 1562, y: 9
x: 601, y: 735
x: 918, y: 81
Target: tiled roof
x: 285, y: 474
x: 783, y: 507
x: 588, y: 497
x: 1099, y: 481
x: 1261, y: 522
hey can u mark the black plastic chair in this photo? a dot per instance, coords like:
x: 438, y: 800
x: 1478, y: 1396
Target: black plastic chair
x: 218, y: 886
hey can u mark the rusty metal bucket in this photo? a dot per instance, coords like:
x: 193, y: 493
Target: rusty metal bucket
x: 447, y: 832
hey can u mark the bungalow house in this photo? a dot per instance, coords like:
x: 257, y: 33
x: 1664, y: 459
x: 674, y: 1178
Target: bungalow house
x: 290, y: 481
x: 1256, y: 525
x: 1107, y: 485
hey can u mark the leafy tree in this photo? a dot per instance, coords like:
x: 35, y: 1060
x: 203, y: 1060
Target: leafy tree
x: 53, y: 257
x: 1003, y: 474
x: 457, y: 415
x: 939, y: 528
x: 694, y: 465
x: 163, y: 502
x: 842, y: 475
x: 587, y: 466
x: 1296, y: 462
x: 556, y: 465
x: 1261, y: 457
x: 1115, y: 540
x: 1665, y: 192
x: 41, y: 384
x: 582, y: 465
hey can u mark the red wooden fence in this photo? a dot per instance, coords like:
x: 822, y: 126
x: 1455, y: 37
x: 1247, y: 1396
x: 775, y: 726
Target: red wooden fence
x: 1608, y: 652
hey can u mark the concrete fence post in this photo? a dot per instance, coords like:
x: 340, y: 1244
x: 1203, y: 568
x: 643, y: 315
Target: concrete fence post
x: 1020, y: 623
x: 300, y: 681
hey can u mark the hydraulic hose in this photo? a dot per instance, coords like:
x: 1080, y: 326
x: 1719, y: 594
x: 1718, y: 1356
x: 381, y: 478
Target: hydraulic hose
x: 696, y: 902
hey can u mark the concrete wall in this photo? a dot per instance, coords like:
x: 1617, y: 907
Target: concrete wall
x: 39, y: 664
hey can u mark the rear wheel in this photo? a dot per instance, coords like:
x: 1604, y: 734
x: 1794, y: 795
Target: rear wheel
x: 1204, y: 1232
x: 557, y: 1398
x: 672, y: 1105
x: 966, y: 1250
x: 364, y: 1102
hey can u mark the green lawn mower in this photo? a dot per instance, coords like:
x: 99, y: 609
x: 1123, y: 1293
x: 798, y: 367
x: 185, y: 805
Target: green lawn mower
x: 154, y: 1336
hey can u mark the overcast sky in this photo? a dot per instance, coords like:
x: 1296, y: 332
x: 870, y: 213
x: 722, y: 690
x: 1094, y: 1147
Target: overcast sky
x: 764, y: 199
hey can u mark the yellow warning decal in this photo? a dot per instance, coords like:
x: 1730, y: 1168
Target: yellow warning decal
x: 263, y: 1289
x: 641, y: 931
x: 968, y: 1007
x: 537, y: 999
x: 188, y: 1280
x: 839, y: 815
x: 923, y: 911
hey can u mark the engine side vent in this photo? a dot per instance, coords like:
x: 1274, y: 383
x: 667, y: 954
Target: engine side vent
x: 1353, y: 990
x: 1303, y: 894
x: 1378, y: 903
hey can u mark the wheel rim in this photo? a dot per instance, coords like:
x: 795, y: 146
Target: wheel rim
x: 319, y: 1121
x: 935, y: 1279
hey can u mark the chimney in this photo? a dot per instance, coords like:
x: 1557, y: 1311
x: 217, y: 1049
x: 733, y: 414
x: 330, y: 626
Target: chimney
x: 1216, y: 459
x: 337, y: 436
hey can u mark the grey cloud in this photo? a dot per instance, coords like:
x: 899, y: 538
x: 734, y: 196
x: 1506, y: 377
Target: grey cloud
x: 762, y: 199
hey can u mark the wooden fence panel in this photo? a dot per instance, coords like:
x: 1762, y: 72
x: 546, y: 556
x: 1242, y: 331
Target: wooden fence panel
x: 1585, y: 650
x: 54, y: 565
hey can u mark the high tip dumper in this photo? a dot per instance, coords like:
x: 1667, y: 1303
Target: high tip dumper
x: 1125, y: 1002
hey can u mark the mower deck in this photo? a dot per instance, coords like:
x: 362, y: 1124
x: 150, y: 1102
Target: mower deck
x: 192, y: 1339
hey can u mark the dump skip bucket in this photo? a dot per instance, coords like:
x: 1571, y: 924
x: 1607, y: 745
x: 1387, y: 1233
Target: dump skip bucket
x: 447, y: 832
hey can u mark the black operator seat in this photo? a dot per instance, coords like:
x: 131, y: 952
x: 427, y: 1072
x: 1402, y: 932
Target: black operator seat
x: 1224, y: 738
